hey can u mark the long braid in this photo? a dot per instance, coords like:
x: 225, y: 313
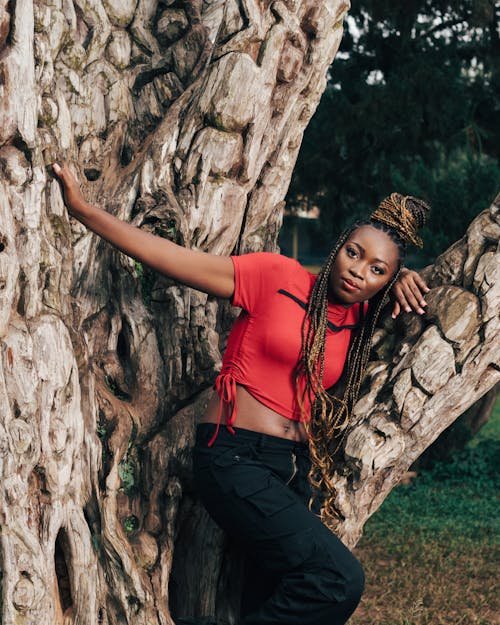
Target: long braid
x: 314, y: 335
x: 330, y: 414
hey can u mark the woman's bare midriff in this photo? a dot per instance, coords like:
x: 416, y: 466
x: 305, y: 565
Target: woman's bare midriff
x: 252, y: 415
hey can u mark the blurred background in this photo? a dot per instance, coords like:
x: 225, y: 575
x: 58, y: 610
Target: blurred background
x: 412, y: 105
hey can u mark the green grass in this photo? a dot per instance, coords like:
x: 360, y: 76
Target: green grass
x: 430, y: 552
x: 491, y: 430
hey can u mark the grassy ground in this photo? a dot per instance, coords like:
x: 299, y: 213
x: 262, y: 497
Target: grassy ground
x: 431, y: 552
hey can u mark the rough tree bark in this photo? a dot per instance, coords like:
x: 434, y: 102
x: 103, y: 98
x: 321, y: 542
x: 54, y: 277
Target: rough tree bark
x: 460, y: 433
x: 184, y: 118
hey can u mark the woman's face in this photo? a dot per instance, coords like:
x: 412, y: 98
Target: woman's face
x: 365, y: 264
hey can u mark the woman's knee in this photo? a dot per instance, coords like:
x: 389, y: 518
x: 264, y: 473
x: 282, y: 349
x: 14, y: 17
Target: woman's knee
x: 347, y: 584
x: 344, y: 574
x: 355, y: 582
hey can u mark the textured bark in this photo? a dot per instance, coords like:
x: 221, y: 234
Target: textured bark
x: 184, y: 119
x: 456, y: 437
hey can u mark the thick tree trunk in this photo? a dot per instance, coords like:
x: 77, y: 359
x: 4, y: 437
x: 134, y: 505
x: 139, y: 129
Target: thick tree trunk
x: 185, y: 119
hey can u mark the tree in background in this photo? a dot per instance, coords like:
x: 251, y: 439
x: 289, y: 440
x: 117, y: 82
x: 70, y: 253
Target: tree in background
x: 412, y: 104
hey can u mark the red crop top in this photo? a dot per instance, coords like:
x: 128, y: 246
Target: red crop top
x: 264, y: 344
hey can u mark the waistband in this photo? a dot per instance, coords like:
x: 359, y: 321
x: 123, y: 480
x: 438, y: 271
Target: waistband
x: 205, y: 433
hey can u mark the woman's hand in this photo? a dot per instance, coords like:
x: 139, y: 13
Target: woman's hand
x: 408, y: 293
x: 73, y: 197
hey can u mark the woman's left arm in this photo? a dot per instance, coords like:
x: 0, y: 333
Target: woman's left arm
x: 408, y: 293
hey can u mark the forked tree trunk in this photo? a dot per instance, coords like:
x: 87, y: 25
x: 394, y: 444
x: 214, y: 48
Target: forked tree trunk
x: 184, y: 118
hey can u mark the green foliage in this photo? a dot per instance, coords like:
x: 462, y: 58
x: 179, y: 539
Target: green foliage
x: 139, y: 269
x: 102, y: 432
x: 460, y: 184
x: 130, y: 524
x: 128, y: 469
x: 412, y: 105
x: 147, y: 278
x: 171, y: 232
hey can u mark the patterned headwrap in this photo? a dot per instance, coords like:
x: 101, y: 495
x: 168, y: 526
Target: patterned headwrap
x: 403, y: 213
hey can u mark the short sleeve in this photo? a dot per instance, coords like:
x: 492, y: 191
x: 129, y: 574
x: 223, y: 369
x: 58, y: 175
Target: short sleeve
x: 258, y: 275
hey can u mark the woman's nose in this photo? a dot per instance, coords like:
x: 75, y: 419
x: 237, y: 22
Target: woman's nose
x: 356, y: 271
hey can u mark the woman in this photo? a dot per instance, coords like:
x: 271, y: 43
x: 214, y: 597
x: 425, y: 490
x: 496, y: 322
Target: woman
x: 295, y: 337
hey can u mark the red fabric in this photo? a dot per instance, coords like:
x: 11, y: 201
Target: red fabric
x: 264, y: 344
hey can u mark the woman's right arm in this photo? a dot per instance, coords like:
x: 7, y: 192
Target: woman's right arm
x: 206, y: 272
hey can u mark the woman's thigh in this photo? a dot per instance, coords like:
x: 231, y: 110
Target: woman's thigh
x: 253, y: 504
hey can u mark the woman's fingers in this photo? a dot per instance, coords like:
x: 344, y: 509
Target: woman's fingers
x: 409, y: 293
x: 420, y: 287
x: 60, y: 170
x: 413, y: 296
x: 396, y: 309
x: 72, y: 194
x: 400, y: 297
x: 64, y: 173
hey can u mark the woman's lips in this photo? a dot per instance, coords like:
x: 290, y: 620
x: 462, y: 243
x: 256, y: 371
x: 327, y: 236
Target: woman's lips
x: 350, y: 286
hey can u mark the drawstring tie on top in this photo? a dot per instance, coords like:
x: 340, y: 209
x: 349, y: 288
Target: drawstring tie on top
x: 225, y: 385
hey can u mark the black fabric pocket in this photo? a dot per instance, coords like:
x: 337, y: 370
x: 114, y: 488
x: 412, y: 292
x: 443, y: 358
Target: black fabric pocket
x: 239, y: 470
x: 268, y: 496
x: 226, y: 456
x: 235, y: 471
x: 233, y: 456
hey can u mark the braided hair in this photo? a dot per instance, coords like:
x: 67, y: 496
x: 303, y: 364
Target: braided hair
x: 399, y: 217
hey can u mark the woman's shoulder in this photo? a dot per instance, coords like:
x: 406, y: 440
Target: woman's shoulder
x: 269, y: 262
x: 263, y: 273
x: 266, y: 257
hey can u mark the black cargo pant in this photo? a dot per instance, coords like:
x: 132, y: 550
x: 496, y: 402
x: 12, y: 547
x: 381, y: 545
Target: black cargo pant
x: 255, y: 487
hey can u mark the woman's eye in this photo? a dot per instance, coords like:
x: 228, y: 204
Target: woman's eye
x: 351, y: 251
x: 378, y: 270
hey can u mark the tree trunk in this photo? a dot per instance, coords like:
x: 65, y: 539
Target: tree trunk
x: 184, y: 119
x: 460, y: 433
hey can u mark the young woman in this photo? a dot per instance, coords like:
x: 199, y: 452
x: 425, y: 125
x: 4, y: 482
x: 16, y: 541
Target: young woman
x: 272, y: 428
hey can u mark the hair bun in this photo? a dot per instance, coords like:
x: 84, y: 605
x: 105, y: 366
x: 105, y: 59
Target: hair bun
x: 403, y: 213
